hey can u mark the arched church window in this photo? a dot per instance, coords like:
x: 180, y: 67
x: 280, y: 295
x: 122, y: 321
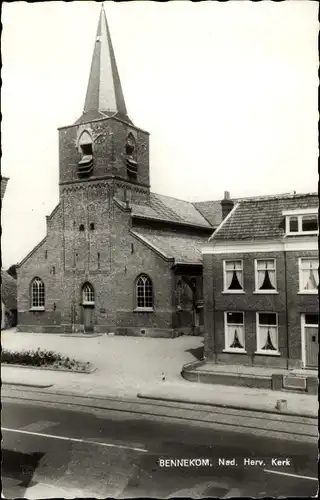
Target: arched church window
x: 85, y: 165
x: 87, y: 294
x: 144, y: 292
x: 37, y: 293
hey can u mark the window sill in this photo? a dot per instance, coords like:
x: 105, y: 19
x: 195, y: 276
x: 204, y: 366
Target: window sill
x: 226, y: 292
x: 237, y: 351
x: 310, y: 292
x: 37, y: 309
x: 303, y: 233
x: 143, y: 309
x: 88, y: 304
x: 265, y: 292
x: 267, y: 353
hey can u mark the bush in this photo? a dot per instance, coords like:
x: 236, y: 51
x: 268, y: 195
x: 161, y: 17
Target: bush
x: 41, y: 358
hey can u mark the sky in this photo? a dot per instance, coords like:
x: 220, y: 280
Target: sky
x: 227, y: 90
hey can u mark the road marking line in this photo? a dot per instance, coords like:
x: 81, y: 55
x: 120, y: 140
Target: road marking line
x: 40, y: 425
x: 291, y: 475
x: 76, y: 440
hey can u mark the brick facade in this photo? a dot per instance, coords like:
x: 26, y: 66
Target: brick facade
x: 288, y: 303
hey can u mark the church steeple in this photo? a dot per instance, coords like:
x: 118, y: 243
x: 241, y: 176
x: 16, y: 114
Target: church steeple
x: 104, y: 93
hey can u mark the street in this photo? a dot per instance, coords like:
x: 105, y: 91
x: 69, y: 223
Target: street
x: 64, y: 448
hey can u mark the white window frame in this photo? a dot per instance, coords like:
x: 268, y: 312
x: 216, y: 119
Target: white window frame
x: 39, y: 282
x: 225, y: 289
x: 301, y: 290
x: 227, y: 348
x: 299, y: 213
x: 259, y: 348
x: 143, y: 308
x: 257, y: 290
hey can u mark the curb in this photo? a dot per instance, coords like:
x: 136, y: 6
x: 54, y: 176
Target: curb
x: 57, y: 370
x: 221, y: 405
x: 38, y: 386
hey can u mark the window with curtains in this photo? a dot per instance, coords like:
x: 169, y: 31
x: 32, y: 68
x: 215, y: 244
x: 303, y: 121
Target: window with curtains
x: 144, y: 292
x: 37, y: 294
x: 87, y: 294
x: 267, y: 333
x: 309, y: 275
x: 233, y: 275
x: 234, y: 331
x: 265, y: 275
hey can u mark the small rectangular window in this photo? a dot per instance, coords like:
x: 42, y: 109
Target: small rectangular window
x: 234, y: 331
x: 233, y: 276
x: 267, y: 333
x: 312, y: 319
x: 309, y: 223
x: 293, y: 225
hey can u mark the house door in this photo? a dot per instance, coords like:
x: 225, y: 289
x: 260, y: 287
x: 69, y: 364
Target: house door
x: 311, y: 337
x: 88, y: 318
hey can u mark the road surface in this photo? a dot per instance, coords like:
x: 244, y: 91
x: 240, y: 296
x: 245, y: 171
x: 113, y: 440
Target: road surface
x: 58, y: 449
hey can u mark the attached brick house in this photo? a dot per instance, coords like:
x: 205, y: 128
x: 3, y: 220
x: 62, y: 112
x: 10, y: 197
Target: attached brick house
x: 261, y: 282
x: 116, y: 257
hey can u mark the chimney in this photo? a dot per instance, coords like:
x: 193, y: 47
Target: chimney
x: 226, y: 205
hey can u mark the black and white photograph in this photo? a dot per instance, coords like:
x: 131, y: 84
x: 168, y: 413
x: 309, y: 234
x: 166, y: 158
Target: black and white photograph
x: 159, y: 249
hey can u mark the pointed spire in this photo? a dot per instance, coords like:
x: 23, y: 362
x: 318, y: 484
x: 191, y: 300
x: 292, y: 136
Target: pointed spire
x: 104, y: 92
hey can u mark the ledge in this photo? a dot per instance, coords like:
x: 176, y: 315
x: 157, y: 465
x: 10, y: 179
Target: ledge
x: 266, y: 292
x: 11, y: 365
x: 143, y: 309
x: 267, y: 353
x: 233, y: 292
x: 37, y: 309
x: 234, y: 351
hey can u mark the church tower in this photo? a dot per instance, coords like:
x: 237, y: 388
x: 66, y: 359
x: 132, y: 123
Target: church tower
x: 103, y: 146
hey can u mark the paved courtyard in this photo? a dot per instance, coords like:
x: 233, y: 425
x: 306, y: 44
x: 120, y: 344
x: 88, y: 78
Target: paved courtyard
x: 121, y: 362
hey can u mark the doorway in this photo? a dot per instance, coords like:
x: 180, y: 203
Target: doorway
x: 310, y: 340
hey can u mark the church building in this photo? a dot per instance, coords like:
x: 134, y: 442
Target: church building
x: 116, y: 257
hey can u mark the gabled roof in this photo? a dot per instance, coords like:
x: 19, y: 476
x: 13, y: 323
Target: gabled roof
x: 170, y: 209
x: 104, y: 96
x: 262, y: 218
x: 172, y: 246
x: 8, y: 290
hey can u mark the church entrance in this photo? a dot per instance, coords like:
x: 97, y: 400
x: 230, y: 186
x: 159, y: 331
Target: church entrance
x: 88, y: 303
x: 88, y: 318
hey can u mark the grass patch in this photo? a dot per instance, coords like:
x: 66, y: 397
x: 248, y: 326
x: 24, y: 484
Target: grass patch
x: 44, y: 359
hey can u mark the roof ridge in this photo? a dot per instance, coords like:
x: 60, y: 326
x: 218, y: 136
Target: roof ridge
x: 171, y: 197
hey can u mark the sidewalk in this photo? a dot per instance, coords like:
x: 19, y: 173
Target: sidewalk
x: 91, y: 385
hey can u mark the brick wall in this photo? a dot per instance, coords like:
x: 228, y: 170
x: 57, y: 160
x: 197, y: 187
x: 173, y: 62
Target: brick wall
x: 287, y: 303
x: 109, y: 140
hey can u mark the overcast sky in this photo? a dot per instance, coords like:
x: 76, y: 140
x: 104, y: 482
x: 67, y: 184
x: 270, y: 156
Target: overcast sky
x: 227, y: 90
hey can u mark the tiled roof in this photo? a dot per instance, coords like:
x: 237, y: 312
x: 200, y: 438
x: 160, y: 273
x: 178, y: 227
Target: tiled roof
x: 211, y: 210
x: 181, y: 248
x: 170, y: 209
x: 8, y: 290
x: 262, y: 218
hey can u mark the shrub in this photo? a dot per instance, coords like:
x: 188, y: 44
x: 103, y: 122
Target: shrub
x: 41, y: 358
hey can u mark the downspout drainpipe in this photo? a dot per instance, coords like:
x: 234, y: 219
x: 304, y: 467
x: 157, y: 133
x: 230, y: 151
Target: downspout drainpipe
x: 286, y: 304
